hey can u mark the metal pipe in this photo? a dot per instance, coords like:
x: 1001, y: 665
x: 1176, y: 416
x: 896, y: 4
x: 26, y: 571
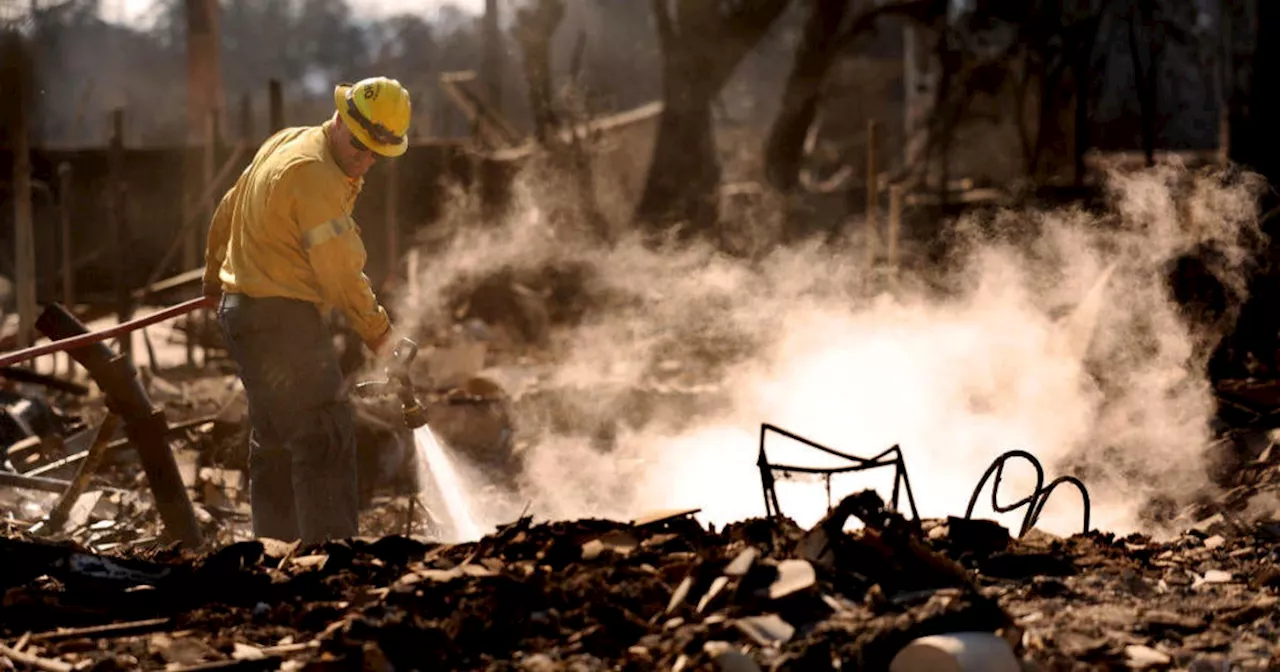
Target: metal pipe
x: 92, y: 337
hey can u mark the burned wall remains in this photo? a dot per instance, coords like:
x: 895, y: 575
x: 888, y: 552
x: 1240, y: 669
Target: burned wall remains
x: 155, y: 210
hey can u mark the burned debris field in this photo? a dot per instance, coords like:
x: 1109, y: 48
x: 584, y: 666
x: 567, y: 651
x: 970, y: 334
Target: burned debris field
x: 660, y: 594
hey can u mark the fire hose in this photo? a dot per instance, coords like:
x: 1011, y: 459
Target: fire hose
x: 11, y: 358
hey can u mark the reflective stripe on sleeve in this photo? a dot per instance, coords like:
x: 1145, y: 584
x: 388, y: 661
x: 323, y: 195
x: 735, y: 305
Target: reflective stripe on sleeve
x: 324, y: 232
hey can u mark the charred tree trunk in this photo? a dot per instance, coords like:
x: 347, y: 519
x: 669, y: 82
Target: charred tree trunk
x: 1258, y: 134
x: 684, y: 174
x: 1046, y: 47
x: 1145, y: 71
x: 1084, y: 70
x: 948, y: 111
x: 1047, y: 122
x: 534, y: 28
x: 784, y: 149
x: 701, y: 46
x: 825, y: 35
x: 1083, y: 136
x: 569, y: 158
x: 1255, y: 145
x: 1021, y: 85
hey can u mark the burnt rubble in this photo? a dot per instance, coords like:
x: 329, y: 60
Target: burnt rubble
x: 100, y: 586
x: 668, y: 594
x: 107, y: 591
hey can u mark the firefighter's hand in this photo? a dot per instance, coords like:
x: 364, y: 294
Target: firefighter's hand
x: 212, y: 293
x: 382, y: 346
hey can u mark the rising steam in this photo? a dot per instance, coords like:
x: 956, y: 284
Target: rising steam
x: 1048, y: 331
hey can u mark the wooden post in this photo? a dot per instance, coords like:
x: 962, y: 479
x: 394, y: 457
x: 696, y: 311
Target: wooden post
x: 192, y: 172
x: 208, y: 166
x: 443, y: 118
x: 895, y: 223
x: 276, y: 106
x: 190, y: 210
x: 204, y: 95
x: 24, y: 236
x: 204, y: 65
x: 873, y: 193
x: 393, y: 218
x: 48, y: 256
x: 120, y: 227
x: 190, y: 241
x: 196, y: 321
x: 65, y: 203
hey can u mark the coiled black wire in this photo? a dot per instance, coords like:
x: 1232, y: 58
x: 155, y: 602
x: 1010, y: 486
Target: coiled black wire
x: 1035, y: 501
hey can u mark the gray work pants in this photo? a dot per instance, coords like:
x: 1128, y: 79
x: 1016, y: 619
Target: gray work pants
x: 302, y: 452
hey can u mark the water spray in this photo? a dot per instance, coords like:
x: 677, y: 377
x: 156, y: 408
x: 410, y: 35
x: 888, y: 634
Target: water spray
x: 433, y: 458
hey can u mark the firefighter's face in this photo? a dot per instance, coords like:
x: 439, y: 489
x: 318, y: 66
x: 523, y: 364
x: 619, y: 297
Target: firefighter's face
x: 353, y: 157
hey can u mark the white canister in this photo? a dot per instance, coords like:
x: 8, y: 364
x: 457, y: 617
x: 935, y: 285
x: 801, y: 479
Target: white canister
x: 956, y: 652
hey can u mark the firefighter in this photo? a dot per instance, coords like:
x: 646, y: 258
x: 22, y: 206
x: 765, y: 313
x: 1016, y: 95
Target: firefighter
x: 283, y: 250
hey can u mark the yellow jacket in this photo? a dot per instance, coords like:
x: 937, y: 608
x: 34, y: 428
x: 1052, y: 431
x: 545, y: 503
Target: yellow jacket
x: 285, y: 229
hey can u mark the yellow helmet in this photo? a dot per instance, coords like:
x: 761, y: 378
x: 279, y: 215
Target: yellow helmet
x: 377, y: 111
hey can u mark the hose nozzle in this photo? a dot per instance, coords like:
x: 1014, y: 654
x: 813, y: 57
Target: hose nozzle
x: 415, y: 416
x: 402, y: 357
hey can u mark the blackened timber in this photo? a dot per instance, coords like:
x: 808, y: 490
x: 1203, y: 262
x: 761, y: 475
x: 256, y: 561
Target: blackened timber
x: 13, y: 480
x: 144, y: 423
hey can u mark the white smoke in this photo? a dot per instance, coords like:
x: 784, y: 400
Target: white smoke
x: 1051, y: 332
